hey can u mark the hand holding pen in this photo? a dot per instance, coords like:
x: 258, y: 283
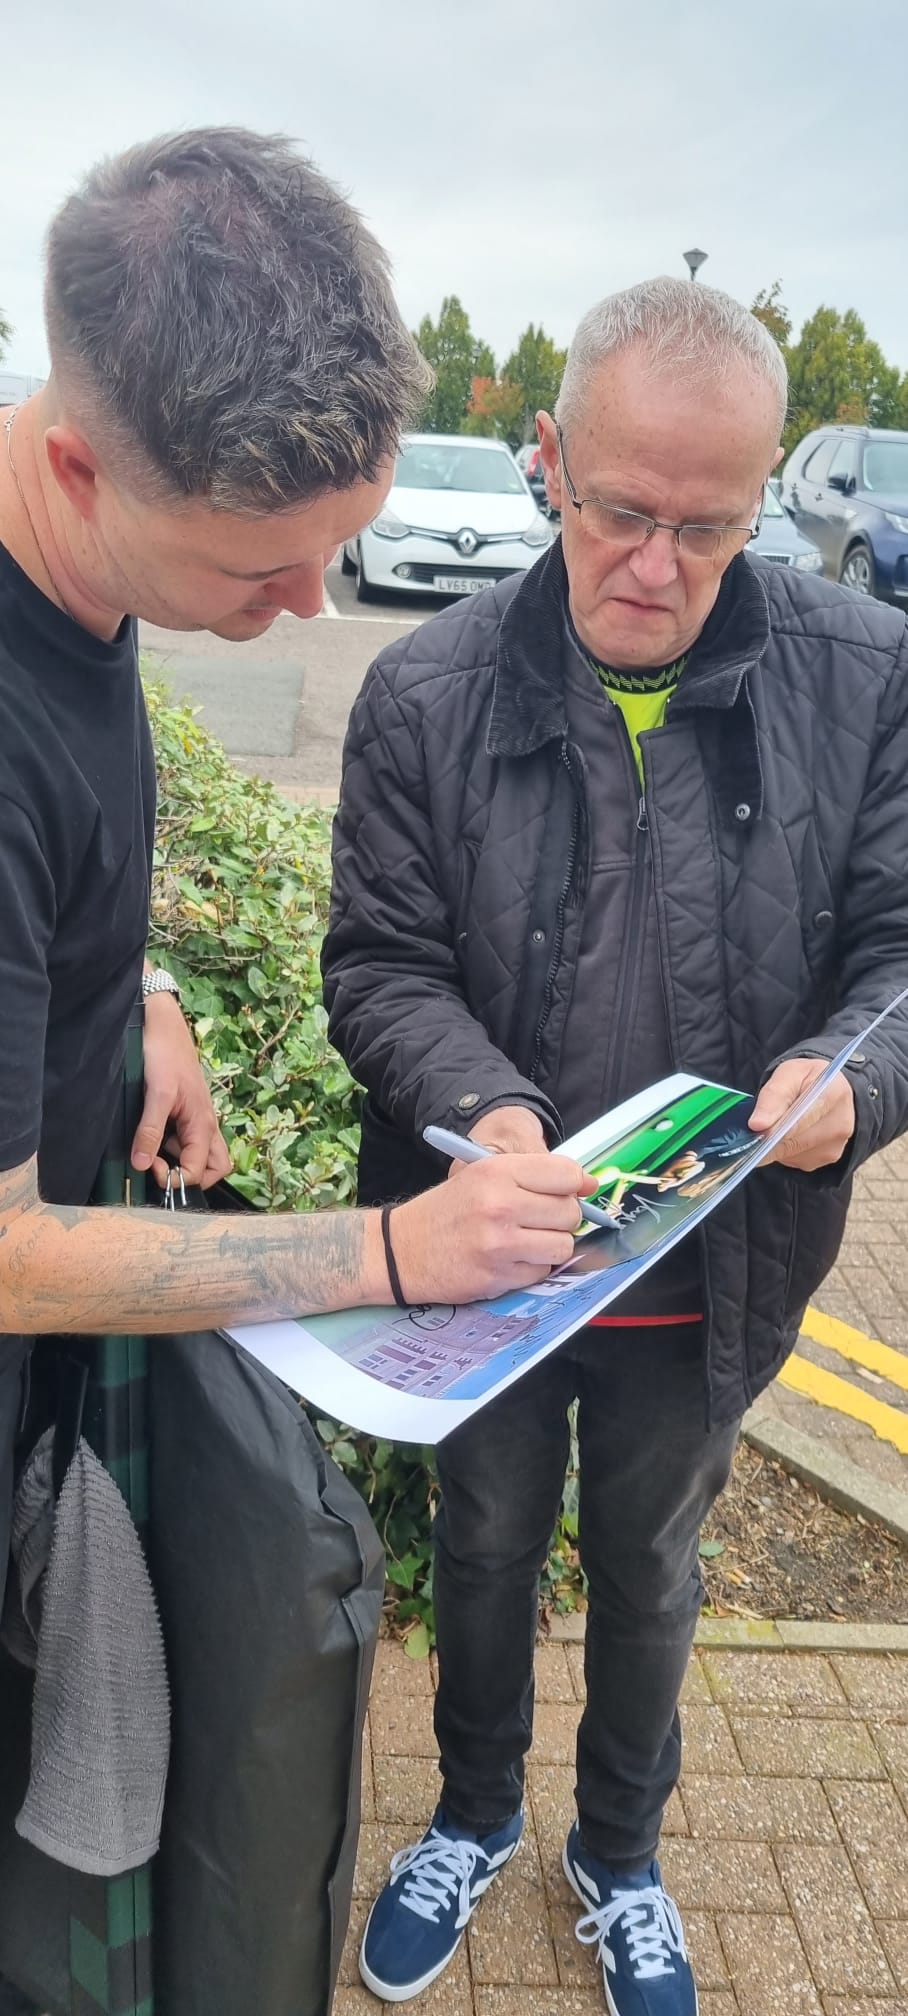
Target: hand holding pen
x: 464, y: 1150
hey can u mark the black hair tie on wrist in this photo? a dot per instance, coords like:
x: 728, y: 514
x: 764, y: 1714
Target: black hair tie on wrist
x: 390, y: 1262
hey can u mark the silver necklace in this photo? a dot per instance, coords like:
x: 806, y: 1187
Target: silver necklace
x: 8, y: 430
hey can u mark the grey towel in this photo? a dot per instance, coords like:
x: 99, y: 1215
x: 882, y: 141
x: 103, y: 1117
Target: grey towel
x: 83, y: 1613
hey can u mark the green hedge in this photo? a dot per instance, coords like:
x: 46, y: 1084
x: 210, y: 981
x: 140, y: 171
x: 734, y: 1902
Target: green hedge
x: 239, y: 908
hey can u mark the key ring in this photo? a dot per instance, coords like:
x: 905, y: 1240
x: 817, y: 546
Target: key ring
x: 168, y: 1200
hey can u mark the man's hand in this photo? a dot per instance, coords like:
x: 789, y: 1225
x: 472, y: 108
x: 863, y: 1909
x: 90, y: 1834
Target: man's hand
x: 820, y: 1138
x: 511, y: 1130
x: 505, y: 1224
x: 178, y: 1107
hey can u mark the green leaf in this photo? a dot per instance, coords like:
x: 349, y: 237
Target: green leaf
x: 344, y: 1454
x: 404, y: 1572
x: 416, y: 1643
x: 711, y: 1549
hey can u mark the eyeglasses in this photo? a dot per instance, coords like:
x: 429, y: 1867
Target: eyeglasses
x: 633, y: 528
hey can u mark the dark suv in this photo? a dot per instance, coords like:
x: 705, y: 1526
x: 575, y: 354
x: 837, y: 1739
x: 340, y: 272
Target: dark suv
x: 847, y: 489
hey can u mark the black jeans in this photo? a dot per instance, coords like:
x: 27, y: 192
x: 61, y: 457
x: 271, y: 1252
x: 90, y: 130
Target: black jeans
x: 650, y: 1470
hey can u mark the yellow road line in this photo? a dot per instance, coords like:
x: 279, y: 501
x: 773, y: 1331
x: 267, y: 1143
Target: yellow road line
x: 875, y: 1357
x: 839, y: 1394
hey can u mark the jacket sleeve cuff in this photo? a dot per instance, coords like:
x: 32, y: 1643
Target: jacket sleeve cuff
x: 470, y: 1106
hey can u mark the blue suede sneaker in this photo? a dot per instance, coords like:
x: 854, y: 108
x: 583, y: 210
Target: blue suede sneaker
x: 639, y: 1934
x: 417, y: 1923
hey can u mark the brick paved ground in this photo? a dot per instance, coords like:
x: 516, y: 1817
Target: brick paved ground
x: 786, y: 1848
x: 869, y: 1290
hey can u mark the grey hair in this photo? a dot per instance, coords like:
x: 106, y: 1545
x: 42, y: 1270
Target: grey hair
x: 690, y: 331
x: 222, y: 317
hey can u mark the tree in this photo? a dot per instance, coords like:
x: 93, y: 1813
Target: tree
x: 538, y: 368
x: 6, y: 330
x: 838, y: 373
x: 457, y: 357
x: 496, y: 407
x: 770, y: 309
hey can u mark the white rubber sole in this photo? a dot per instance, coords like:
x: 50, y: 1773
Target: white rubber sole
x: 387, y: 1993
x: 584, y: 1900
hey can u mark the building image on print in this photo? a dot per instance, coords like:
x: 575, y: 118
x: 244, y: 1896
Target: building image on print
x: 429, y: 1350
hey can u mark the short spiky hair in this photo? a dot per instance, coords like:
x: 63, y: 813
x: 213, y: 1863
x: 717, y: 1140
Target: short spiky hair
x: 696, y: 333
x: 224, y: 318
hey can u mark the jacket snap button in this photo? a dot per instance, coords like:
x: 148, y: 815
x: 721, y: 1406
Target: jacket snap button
x: 742, y: 812
x: 469, y: 1100
x: 858, y: 1057
x: 538, y: 937
x: 823, y: 917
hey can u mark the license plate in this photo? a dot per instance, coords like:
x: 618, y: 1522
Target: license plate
x: 457, y: 584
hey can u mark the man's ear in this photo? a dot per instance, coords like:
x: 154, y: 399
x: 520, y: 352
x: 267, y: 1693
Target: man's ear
x: 551, y: 458
x: 74, y: 465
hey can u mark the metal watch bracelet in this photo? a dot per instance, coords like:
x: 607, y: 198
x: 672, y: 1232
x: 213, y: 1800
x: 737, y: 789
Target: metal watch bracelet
x: 159, y: 982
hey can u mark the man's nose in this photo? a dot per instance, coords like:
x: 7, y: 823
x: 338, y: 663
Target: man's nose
x: 302, y: 593
x: 655, y: 563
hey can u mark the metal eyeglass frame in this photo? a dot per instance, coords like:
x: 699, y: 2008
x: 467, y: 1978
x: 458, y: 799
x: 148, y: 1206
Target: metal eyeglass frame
x: 659, y: 524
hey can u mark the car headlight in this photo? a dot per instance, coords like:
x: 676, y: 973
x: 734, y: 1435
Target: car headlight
x: 898, y: 519
x: 389, y: 526
x: 809, y: 563
x: 539, y: 533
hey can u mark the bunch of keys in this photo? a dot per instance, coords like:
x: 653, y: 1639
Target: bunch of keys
x: 168, y: 1198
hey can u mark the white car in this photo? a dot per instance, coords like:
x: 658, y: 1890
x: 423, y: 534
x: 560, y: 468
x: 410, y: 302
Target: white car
x: 459, y: 516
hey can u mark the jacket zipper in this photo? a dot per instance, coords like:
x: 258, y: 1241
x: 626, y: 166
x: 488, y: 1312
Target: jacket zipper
x: 631, y: 960
x: 558, y: 940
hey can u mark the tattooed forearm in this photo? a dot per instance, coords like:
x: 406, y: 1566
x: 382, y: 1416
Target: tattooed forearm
x: 87, y: 1270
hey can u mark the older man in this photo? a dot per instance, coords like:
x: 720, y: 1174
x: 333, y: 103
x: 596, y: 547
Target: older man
x: 646, y: 809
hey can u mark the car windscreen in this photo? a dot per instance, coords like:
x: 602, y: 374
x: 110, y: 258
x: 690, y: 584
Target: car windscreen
x: 431, y: 466
x: 886, y: 467
x: 772, y: 508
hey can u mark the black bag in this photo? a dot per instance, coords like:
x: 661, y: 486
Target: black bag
x: 270, y: 1577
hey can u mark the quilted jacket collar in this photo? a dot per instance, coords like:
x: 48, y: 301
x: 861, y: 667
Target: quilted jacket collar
x: 528, y: 702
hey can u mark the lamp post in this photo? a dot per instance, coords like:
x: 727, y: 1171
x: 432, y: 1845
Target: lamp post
x: 694, y: 260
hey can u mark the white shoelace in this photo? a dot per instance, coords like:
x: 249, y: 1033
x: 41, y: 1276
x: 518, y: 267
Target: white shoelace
x: 653, y: 1927
x: 435, y: 1869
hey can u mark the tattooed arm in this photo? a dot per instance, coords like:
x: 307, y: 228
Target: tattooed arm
x: 503, y: 1225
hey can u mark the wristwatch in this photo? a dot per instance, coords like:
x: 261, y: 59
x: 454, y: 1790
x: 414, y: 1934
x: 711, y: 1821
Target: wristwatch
x: 159, y: 982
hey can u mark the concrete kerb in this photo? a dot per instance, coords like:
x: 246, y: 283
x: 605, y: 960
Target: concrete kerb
x: 764, y: 1634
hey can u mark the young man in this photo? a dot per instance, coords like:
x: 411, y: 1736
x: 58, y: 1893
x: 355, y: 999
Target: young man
x: 230, y: 376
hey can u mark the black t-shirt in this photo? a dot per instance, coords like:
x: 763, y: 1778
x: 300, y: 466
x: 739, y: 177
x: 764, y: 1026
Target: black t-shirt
x: 77, y: 803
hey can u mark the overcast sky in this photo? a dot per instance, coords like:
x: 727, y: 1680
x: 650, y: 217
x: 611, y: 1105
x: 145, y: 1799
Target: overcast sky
x: 528, y: 155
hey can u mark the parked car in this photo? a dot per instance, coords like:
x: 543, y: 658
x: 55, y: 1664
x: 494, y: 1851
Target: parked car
x: 460, y: 514
x: 529, y: 459
x: 779, y: 539
x: 847, y: 489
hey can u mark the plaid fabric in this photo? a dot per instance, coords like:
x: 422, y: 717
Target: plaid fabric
x: 111, y: 1921
x: 110, y: 1946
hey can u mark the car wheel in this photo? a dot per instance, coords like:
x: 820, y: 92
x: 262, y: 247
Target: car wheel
x: 364, y: 589
x: 347, y: 566
x: 858, y: 570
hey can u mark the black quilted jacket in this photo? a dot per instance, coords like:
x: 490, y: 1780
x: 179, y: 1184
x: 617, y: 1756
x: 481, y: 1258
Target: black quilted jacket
x: 777, y: 797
